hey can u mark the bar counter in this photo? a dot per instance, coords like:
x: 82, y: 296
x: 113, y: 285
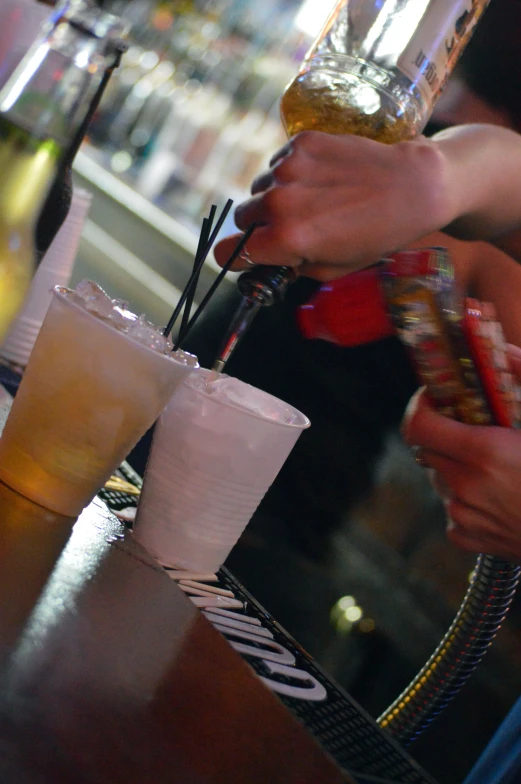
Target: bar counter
x: 115, y: 669
x: 117, y: 677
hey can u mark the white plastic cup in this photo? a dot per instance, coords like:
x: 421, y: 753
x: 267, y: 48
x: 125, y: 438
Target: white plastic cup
x: 210, y: 464
x: 55, y: 269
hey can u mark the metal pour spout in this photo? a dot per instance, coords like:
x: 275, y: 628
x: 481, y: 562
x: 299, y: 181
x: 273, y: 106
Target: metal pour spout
x: 260, y: 287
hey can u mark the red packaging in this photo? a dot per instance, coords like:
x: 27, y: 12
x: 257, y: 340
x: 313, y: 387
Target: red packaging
x: 349, y: 311
x: 353, y: 310
x: 456, y: 344
x: 486, y: 341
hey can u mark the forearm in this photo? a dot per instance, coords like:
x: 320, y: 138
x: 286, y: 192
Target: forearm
x: 482, y: 181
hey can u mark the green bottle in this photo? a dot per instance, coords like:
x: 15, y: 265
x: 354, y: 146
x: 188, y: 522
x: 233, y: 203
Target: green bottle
x: 43, y: 107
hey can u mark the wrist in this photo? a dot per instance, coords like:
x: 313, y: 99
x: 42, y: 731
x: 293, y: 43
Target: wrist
x: 435, y: 195
x: 455, y: 194
x: 482, y: 190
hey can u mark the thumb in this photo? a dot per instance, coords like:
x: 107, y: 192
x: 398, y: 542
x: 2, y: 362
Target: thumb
x: 417, y: 402
x: 423, y: 426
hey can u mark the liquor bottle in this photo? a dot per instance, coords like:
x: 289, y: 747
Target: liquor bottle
x: 375, y: 70
x: 43, y: 109
x: 377, y: 67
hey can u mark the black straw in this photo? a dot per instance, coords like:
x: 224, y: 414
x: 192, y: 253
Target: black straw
x: 198, y: 265
x: 203, y: 242
x: 211, y: 217
x: 183, y: 334
x: 218, y: 226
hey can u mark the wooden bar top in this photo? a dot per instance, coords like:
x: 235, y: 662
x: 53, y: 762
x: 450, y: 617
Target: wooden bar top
x: 115, y: 676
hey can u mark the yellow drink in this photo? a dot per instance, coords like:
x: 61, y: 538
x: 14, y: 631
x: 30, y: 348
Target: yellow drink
x: 27, y: 169
x: 340, y: 104
x: 88, y: 395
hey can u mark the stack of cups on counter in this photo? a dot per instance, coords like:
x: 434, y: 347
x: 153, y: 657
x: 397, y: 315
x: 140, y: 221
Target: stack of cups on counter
x: 54, y: 269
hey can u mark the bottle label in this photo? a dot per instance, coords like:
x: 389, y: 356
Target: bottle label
x: 433, y: 50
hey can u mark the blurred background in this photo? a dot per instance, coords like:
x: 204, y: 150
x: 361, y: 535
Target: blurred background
x: 187, y: 121
x: 348, y: 550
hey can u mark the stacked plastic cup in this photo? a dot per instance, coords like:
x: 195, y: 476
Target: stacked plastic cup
x: 55, y: 269
x: 217, y: 448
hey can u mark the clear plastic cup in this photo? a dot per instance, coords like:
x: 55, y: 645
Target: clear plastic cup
x: 88, y: 395
x: 55, y: 269
x: 211, y: 462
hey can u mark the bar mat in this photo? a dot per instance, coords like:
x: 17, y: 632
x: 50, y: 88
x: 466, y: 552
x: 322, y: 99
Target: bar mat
x: 10, y: 378
x: 120, y: 500
x: 350, y: 736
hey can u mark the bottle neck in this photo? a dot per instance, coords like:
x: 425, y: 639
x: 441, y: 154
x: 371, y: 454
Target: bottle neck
x: 51, y: 91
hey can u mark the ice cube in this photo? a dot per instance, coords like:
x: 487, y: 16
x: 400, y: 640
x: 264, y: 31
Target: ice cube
x: 88, y: 289
x: 244, y: 396
x: 95, y: 300
x: 116, y: 311
x: 70, y: 294
x: 122, y: 304
x: 143, y: 331
x: 121, y: 317
x: 122, y: 309
x: 203, y: 381
x: 98, y: 302
x: 185, y: 358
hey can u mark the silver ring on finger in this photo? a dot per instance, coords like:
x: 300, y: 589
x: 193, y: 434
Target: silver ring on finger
x: 418, y: 455
x: 245, y: 256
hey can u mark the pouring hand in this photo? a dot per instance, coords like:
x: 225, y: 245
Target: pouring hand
x: 332, y: 204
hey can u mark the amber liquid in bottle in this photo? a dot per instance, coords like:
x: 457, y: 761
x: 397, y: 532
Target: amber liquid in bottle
x: 377, y: 68
x: 27, y: 165
x: 344, y: 106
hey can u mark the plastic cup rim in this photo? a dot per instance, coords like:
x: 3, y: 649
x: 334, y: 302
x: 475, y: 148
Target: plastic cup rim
x: 68, y: 302
x: 253, y: 414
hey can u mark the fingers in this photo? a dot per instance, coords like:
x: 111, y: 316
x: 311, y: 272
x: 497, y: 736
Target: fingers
x: 439, y: 484
x: 418, y: 399
x: 285, y: 150
x: 475, y: 532
x: 425, y: 427
x: 289, y: 163
x: 317, y: 145
x: 452, y: 481
x: 470, y: 525
x: 262, y: 182
x: 252, y: 210
x: 224, y: 249
x: 475, y: 470
x: 323, y: 200
x: 306, y: 268
x: 455, y: 483
x: 261, y: 250
x: 471, y: 522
